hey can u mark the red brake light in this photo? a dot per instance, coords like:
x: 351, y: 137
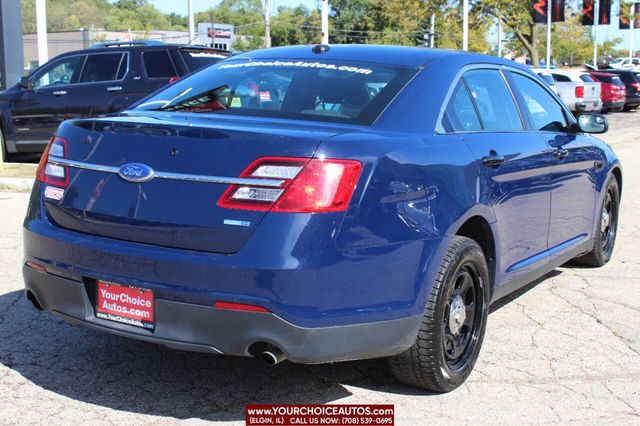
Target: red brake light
x: 53, y: 174
x: 579, y: 91
x: 636, y: 85
x: 310, y: 186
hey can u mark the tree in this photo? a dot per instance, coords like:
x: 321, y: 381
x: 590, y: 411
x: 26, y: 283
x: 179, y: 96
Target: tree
x: 516, y: 17
x: 247, y: 17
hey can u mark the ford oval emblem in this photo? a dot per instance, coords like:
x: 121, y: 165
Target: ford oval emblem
x: 136, y: 172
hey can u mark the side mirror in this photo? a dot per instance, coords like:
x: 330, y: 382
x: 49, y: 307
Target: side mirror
x: 24, y: 82
x: 592, y: 123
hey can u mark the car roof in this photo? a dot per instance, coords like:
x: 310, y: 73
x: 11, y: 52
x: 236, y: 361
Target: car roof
x: 380, y: 54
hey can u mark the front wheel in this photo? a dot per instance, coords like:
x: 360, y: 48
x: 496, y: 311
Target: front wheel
x: 605, y: 235
x: 455, y: 318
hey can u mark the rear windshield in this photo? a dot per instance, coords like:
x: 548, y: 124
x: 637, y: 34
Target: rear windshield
x: 336, y: 91
x: 199, y: 58
x: 604, y: 78
x: 627, y: 77
x: 547, y: 78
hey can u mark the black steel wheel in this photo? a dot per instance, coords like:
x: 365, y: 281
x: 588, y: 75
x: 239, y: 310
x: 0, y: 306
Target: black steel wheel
x: 607, y: 226
x: 451, y: 334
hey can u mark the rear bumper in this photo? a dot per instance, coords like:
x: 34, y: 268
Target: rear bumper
x: 201, y: 328
x: 613, y: 105
x: 588, y: 106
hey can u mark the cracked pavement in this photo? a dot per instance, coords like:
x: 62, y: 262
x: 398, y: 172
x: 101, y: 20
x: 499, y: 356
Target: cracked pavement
x: 564, y: 349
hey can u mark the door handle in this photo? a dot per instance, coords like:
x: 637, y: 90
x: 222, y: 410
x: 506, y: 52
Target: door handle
x: 59, y: 93
x: 560, y: 153
x: 114, y: 89
x: 493, y: 160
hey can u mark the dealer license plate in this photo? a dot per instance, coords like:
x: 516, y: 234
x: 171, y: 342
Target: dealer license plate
x: 124, y: 304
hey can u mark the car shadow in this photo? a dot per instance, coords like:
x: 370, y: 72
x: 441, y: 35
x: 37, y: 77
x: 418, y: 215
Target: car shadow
x: 144, y: 378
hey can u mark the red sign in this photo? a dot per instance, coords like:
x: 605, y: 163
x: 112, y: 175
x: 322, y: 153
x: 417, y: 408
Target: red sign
x: 128, y: 305
x: 317, y: 414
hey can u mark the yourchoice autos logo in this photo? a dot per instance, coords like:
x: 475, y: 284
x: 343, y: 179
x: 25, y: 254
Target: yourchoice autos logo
x: 297, y: 64
x: 136, y: 172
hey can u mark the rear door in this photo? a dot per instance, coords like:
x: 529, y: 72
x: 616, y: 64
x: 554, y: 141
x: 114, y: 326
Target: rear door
x: 38, y: 111
x: 100, y: 88
x: 513, y: 169
x: 572, y: 163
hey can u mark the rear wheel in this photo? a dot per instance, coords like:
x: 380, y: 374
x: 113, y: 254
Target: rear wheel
x: 3, y: 146
x: 455, y: 318
x: 605, y: 235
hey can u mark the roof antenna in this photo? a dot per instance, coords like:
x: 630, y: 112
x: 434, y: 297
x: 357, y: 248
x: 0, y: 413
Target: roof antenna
x: 320, y: 48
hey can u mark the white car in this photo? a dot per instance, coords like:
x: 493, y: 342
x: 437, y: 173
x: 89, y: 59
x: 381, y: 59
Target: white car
x: 579, y: 91
x: 547, y: 77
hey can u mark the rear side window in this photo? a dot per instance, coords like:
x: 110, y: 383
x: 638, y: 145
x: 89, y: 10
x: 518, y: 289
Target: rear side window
x: 200, y: 58
x: 561, y: 78
x: 586, y: 78
x: 545, y: 111
x: 103, y: 67
x: 157, y: 64
x: 337, y: 91
x: 495, y: 104
x: 461, y: 115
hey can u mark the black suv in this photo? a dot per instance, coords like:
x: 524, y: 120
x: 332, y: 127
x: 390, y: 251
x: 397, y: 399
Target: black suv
x: 103, y: 79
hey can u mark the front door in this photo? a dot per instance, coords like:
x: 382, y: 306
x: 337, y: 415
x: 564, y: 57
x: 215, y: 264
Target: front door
x: 572, y: 168
x: 38, y: 110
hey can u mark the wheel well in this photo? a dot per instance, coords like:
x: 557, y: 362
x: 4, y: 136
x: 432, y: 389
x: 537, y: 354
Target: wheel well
x: 618, y: 174
x: 477, y: 228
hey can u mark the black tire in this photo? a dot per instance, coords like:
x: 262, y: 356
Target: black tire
x: 430, y: 363
x: 604, y: 239
x: 3, y: 146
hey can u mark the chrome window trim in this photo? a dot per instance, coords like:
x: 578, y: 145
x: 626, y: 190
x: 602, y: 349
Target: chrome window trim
x: 275, y: 183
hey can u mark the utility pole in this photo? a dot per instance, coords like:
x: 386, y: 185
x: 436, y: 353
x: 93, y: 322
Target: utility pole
x: 548, y: 60
x: 41, y: 29
x: 192, y: 30
x: 499, y: 37
x: 596, y: 22
x: 432, y: 33
x: 632, y: 24
x: 324, y: 21
x: 465, y: 25
x: 267, y: 25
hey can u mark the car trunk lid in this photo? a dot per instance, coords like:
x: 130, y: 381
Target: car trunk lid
x: 188, y: 156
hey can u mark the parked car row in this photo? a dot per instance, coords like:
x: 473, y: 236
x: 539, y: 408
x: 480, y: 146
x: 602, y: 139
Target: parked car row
x: 103, y: 79
x: 608, y: 90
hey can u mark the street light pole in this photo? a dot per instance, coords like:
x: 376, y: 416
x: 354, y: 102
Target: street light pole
x: 548, y: 60
x: 324, y: 21
x: 192, y: 30
x: 465, y: 25
x: 499, y: 37
x: 267, y: 25
x: 432, y: 35
x: 41, y: 29
x: 596, y: 22
x: 632, y: 24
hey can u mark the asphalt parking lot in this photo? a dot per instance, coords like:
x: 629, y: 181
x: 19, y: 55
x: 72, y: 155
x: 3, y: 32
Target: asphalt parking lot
x: 564, y: 349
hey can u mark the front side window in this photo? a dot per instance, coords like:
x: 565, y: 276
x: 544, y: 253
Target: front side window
x: 545, y: 111
x: 158, y: 64
x: 460, y: 115
x: 103, y: 67
x: 337, y: 91
x: 495, y: 104
x: 63, y: 71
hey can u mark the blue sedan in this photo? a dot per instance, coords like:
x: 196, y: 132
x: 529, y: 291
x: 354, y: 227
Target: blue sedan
x: 320, y: 204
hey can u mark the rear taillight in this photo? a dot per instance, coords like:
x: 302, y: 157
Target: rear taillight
x: 174, y: 79
x: 50, y: 173
x: 579, y: 91
x: 309, y: 185
x: 636, y: 86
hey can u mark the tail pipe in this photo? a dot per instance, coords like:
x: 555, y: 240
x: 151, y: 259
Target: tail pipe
x: 272, y: 356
